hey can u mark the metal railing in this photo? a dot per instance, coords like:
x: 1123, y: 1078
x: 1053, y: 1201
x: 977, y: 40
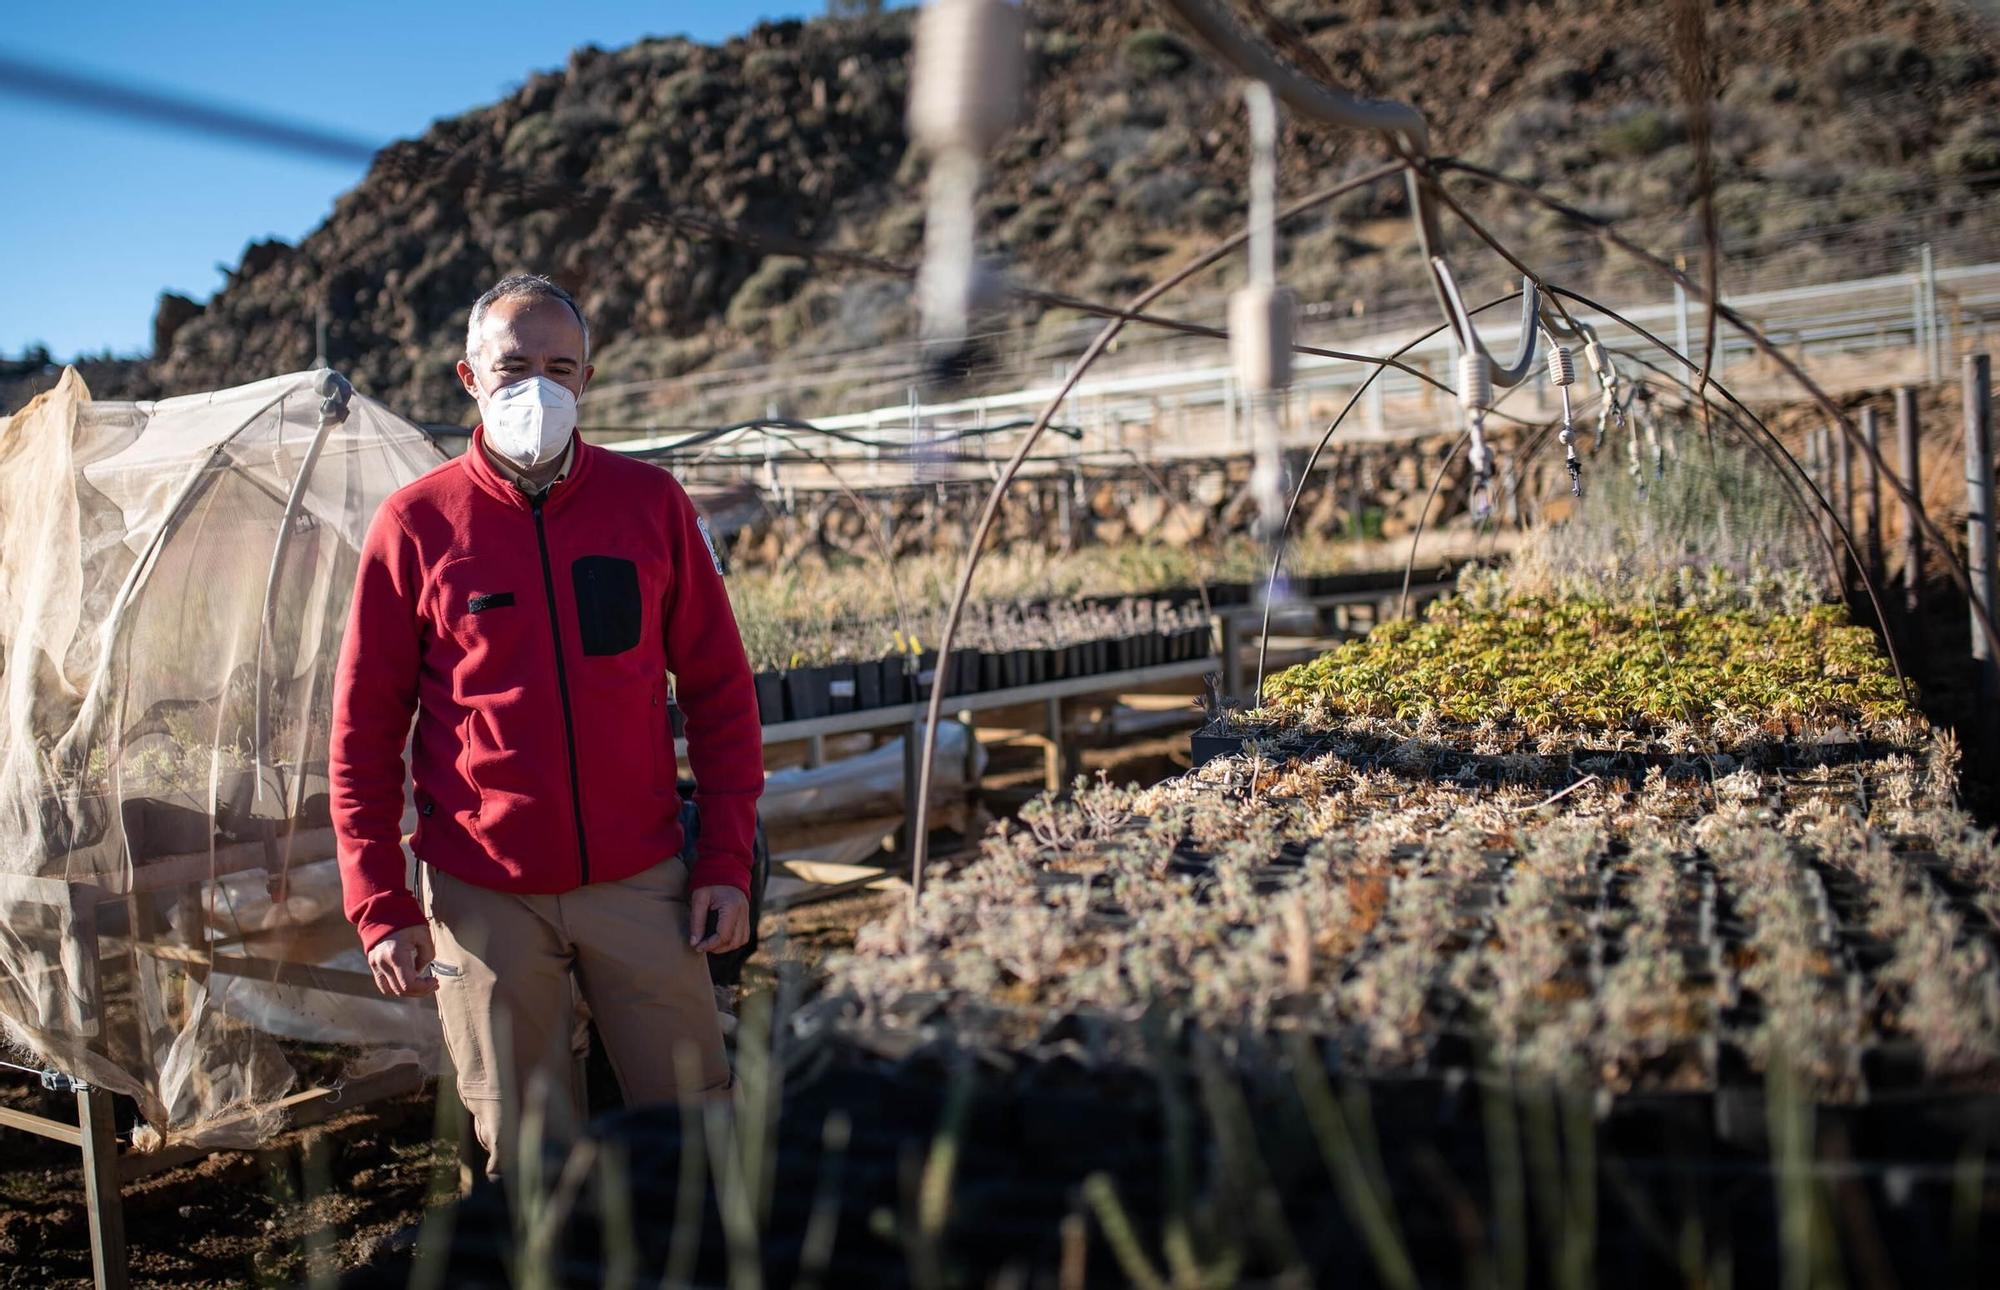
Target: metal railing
x: 1910, y: 324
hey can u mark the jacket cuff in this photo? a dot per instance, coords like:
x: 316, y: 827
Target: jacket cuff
x: 719, y: 871
x: 389, y: 912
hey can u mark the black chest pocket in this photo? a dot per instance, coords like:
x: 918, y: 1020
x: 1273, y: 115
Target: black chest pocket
x: 608, y: 611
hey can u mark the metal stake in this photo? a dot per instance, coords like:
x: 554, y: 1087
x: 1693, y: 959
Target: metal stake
x: 1913, y: 534
x: 1843, y: 481
x: 1871, y: 429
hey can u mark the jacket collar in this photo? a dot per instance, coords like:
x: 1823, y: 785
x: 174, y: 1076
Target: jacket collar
x: 519, y: 478
x: 492, y: 480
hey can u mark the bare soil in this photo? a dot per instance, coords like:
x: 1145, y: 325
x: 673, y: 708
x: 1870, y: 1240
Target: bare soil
x: 313, y: 1202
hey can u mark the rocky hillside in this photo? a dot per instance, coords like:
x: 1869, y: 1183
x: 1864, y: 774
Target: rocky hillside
x: 1841, y: 127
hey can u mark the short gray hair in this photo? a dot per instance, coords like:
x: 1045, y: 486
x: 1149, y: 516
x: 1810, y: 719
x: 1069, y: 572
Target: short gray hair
x: 531, y: 286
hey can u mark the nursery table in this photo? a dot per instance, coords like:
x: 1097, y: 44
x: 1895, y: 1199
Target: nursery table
x: 1050, y: 694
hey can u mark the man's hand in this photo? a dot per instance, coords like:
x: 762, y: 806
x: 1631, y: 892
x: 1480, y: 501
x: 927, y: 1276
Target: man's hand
x: 399, y: 959
x: 732, y: 919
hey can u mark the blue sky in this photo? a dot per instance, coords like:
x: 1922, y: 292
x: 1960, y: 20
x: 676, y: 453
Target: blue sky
x: 99, y: 215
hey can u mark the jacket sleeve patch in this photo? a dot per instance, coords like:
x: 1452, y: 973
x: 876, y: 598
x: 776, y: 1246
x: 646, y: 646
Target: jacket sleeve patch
x: 708, y: 540
x: 491, y: 600
x: 608, y: 607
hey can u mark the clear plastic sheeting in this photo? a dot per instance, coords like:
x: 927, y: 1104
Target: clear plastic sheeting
x: 868, y: 784
x: 174, y: 581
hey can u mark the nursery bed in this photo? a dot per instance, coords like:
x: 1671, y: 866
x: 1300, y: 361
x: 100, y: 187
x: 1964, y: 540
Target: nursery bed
x: 1036, y: 1136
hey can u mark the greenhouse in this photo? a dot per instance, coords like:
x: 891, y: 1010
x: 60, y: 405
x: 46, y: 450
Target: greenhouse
x: 174, y: 590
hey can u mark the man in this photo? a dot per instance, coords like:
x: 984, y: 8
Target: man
x: 525, y: 603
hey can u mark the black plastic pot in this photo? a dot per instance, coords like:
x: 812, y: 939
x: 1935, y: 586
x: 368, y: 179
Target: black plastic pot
x: 169, y: 828
x: 1206, y: 748
x: 1055, y: 663
x: 315, y: 811
x: 967, y: 672
x: 132, y: 818
x: 806, y: 693
x: 1014, y: 668
x: 898, y: 681
x: 993, y: 672
x: 770, y: 697
x: 868, y: 684
x: 841, y: 687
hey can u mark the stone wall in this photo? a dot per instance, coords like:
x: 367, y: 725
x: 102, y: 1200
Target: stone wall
x: 1374, y: 490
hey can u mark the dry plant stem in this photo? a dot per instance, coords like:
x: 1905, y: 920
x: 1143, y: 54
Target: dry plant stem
x: 1554, y: 798
x: 1689, y: 21
x: 1607, y: 233
x: 920, y: 826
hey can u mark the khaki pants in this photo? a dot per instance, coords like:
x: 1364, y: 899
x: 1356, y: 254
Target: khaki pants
x: 504, y: 965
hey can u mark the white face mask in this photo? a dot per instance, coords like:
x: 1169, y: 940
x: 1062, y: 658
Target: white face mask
x: 530, y: 421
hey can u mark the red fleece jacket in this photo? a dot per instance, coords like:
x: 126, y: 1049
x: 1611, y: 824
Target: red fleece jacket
x: 532, y: 642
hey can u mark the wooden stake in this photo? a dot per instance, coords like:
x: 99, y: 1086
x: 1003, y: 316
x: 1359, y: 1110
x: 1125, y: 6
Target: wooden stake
x: 1978, y: 383
x: 105, y: 1206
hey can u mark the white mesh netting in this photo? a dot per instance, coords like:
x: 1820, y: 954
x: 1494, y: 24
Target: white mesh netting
x: 174, y: 581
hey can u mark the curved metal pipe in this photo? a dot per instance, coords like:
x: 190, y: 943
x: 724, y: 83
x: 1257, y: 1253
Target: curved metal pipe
x: 919, y: 839
x: 335, y: 392
x: 1409, y: 136
x: 1508, y: 375
x: 1301, y: 93
x: 1305, y: 475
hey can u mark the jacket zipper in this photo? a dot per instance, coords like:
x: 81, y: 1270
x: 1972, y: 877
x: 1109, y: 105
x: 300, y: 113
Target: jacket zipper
x: 562, y: 686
